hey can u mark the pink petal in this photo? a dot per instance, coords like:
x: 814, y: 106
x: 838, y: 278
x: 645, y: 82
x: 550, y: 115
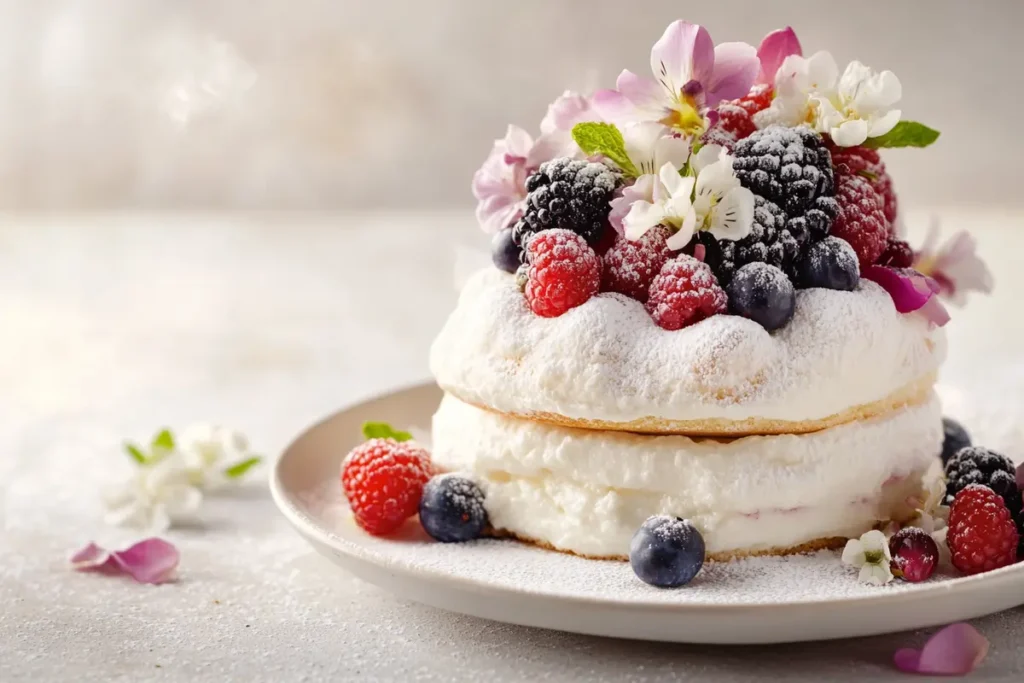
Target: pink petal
x: 614, y: 106
x: 685, y: 52
x: 643, y: 188
x: 736, y: 67
x: 954, y: 651
x: 565, y: 112
x: 558, y: 143
x: 910, y: 291
x: 517, y: 143
x: 153, y: 560
x: 775, y: 47
x: 90, y: 557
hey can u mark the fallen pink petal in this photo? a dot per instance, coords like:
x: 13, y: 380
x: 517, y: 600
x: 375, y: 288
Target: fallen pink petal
x: 910, y: 291
x: 152, y: 560
x: 953, y: 651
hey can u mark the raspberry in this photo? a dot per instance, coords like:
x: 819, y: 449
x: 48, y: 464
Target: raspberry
x: 861, y: 221
x: 897, y: 254
x: 570, y: 194
x: 735, y: 117
x: 629, y: 267
x: 383, y: 481
x: 683, y: 293
x: 982, y: 535
x: 563, y: 273
x: 975, y: 465
x: 867, y: 163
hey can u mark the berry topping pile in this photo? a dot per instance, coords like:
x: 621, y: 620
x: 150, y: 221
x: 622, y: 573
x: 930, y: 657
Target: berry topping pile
x: 563, y: 272
x: 683, y: 293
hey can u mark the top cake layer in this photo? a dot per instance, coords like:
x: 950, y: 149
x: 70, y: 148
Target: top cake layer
x: 606, y: 364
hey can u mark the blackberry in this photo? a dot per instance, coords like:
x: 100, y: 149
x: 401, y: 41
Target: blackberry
x: 974, y: 465
x: 954, y: 437
x: 769, y: 242
x: 567, y: 193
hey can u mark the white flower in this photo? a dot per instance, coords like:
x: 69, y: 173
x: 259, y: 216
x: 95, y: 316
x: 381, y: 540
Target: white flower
x: 932, y: 515
x: 723, y: 207
x: 850, y: 108
x: 207, y: 450
x: 671, y: 204
x: 651, y: 145
x: 157, y: 495
x: 871, y: 554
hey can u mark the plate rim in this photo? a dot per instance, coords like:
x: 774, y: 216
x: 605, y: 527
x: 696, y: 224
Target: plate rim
x: 317, y: 534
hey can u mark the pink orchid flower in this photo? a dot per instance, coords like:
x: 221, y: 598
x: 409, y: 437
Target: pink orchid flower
x: 775, y: 47
x: 499, y: 185
x: 691, y: 75
x: 955, y: 265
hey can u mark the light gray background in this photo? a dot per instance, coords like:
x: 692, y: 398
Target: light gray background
x: 393, y: 103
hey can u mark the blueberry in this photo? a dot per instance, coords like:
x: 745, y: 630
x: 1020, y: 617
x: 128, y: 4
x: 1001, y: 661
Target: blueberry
x: 666, y: 551
x: 762, y: 293
x: 954, y: 437
x: 504, y: 252
x: 830, y: 264
x: 452, y: 509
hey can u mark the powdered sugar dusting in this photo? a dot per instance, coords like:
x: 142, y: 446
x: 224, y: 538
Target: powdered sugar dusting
x: 607, y: 359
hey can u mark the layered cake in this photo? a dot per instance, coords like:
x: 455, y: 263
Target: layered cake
x: 703, y: 335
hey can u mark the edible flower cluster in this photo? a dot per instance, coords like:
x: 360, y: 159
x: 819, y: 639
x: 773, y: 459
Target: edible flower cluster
x: 722, y: 182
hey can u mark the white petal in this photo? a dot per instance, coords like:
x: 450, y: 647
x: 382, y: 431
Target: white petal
x: 641, y: 142
x: 682, y: 237
x: 707, y: 155
x: 822, y: 71
x: 882, y: 125
x: 733, y: 217
x: 853, y: 553
x: 671, y: 150
x: 642, y: 217
x: 853, y: 79
x: 874, y: 540
x: 159, y: 520
x: 850, y: 133
x: 134, y: 514
x: 182, y: 501
x: 875, y: 574
x: 674, y: 183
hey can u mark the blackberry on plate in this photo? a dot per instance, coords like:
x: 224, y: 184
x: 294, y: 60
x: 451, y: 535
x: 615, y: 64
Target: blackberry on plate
x: 769, y: 242
x: 974, y: 465
x: 954, y: 437
x: 567, y: 193
x: 763, y: 294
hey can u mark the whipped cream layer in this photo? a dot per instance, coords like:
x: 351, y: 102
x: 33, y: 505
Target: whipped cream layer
x: 607, y: 360
x: 587, y: 491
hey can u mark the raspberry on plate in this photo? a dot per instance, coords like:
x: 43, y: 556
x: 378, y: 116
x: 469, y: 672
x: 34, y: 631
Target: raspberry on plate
x: 630, y: 266
x: 861, y: 221
x: 563, y: 273
x: 982, y: 535
x: 683, y: 293
x: 383, y: 482
x: 867, y: 163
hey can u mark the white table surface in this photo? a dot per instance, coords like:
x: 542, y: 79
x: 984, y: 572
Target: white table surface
x: 115, y: 325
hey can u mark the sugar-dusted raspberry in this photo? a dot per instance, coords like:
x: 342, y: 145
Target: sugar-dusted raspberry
x: 897, y: 254
x: 861, y: 221
x: 563, y: 273
x: 735, y: 117
x: 629, y: 267
x: 982, y: 535
x: 868, y: 164
x: 683, y: 293
x: 383, y: 482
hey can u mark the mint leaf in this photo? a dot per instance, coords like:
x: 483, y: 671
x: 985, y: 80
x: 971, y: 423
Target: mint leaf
x: 869, y: 175
x: 136, y: 453
x: 382, y: 430
x: 905, y: 134
x: 164, y: 441
x: 240, y: 468
x: 605, y: 139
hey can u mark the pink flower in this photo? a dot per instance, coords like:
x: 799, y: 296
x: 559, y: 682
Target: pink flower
x: 910, y: 291
x: 775, y: 47
x: 500, y: 184
x: 953, y: 651
x: 955, y: 265
x: 691, y: 75
x: 150, y: 561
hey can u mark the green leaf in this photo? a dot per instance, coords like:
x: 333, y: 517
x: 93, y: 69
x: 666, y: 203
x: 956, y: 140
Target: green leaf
x: 163, y: 441
x: 606, y: 139
x: 382, y: 430
x: 135, y: 452
x: 905, y: 134
x: 240, y: 468
x: 869, y: 175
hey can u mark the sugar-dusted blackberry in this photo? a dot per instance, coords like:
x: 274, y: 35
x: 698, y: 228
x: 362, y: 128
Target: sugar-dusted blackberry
x: 792, y: 168
x: 975, y: 465
x: 570, y: 194
x: 769, y: 241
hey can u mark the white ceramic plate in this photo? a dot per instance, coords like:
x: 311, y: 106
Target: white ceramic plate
x: 761, y: 600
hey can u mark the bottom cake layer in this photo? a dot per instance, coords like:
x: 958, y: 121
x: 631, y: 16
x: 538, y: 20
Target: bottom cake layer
x: 586, y: 491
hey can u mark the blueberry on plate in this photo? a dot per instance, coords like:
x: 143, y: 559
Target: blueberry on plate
x: 666, y: 551
x: 504, y: 251
x: 762, y: 293
x: 954, y: 437
x: 830, y: 264
x: 452, y: 509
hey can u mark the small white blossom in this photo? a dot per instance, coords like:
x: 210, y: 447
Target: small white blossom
x: 850, y: 108
x: 870, y: 553
x: 156, y: 496
x: 723, y: 206
x: 671, y: 204
x: 207, y: 450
